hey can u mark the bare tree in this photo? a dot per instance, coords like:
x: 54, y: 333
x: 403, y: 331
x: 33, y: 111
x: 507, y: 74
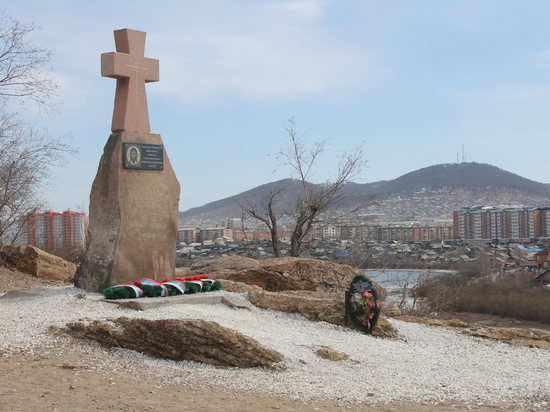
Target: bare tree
x: 264, y: 210
x: 25, y: 74
x: 27, y: 152
x: 304, y: 203
x: 244, y: 231
x: 26, y: 158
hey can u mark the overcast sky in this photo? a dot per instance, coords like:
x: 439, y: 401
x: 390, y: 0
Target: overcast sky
x: 420, y: 82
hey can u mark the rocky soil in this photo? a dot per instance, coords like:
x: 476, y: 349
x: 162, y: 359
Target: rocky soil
x: 50, y: 379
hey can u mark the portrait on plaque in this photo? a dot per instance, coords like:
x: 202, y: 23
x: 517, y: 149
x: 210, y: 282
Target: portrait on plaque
x: 133, y: 155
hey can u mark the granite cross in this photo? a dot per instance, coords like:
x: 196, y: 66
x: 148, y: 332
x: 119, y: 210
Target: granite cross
x: 132, y: 70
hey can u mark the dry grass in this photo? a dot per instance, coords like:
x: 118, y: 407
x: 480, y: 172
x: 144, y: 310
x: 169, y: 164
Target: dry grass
x: 506, y: 299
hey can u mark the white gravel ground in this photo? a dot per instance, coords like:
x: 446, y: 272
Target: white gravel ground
x: 428, y: 364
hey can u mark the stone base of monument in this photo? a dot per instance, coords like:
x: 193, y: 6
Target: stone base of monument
x: 133, y: 215
x: 198, y: 299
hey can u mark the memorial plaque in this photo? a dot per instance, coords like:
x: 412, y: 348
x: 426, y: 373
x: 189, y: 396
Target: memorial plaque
x: 143, y: 156
x: 361, y: 287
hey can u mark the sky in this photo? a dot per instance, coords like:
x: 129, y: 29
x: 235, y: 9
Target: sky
x: 419, y: 83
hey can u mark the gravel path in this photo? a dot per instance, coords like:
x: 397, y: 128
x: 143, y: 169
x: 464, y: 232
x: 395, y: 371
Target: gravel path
x: 428, y: 364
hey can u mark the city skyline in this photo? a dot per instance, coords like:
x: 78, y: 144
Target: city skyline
x: 420, y: 83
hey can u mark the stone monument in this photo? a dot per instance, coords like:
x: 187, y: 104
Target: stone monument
x: 134, y: 198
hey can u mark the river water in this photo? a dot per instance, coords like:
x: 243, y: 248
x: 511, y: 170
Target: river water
x: 394, y: 277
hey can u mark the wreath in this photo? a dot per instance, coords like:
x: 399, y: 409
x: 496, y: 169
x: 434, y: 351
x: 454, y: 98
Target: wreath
x: 362, y: 304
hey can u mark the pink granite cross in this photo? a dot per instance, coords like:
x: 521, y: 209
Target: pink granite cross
x: 132, y: 70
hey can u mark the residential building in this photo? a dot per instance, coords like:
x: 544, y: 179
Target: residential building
x: 188, y: 235
x: 327, y: 232
x: 197, y: 235
x: 491, y: 224
x: 387, y: 231
x: 212, y: 233
x: 234, y: 223
x: 53, y: 231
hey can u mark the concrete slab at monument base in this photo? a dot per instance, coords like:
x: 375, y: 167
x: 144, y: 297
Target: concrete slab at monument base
x: 133, y: 219
x: 198, y: 299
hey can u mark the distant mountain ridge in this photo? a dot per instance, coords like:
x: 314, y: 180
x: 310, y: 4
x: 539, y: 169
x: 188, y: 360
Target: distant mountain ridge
x: 228, y: 206
x: 473, y: 178
x: 452, y: 176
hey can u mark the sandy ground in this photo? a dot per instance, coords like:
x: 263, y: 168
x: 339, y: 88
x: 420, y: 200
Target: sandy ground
x: 62, y: 380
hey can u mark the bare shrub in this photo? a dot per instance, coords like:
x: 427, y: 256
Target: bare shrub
x: 73, y: 254
x: 441, y: 292
x: 506, y: 299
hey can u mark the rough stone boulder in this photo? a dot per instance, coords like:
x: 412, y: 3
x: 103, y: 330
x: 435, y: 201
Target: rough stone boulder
x: 190, y: 339
x: 330, y: 310
x: 238, y: 287
x: 36, y: 262
x: 221, y: 267
x: 312, y: 308
x: 327, y: 352
x: 532, y: 337
x: 275, y: 275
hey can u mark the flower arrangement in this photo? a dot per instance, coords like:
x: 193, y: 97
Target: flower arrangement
x: 151, y: 288
x: 175, y: 287
x: 193, y: 284
x: 123, y: 291
x: 363, y: 306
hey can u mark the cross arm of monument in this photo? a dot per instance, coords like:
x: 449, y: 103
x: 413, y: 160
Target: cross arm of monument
x: 132, y: 70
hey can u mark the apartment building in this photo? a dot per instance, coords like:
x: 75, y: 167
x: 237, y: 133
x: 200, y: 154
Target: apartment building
x: 233, y: 223
x: 410, y: 231
x: 197, y: 235
x: 404, y: 231
x: 327, y: 232
x: 53, y: 231
x: 188, y: 235
x: 490, y: 223
x: 212, y: 233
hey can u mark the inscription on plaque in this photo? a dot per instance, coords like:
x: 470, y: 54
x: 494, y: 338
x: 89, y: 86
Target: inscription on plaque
x: 361, y: 287
x: 143, y: 156
x: 154, y: 226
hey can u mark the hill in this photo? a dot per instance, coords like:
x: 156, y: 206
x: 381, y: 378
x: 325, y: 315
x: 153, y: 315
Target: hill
x: 228, y: 207
x: 473, y: 177
x: 445, y: 187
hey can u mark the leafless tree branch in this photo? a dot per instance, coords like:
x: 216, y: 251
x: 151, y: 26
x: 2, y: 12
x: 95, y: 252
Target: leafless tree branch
x: 309, y: 204
x: 27, y: 152
x: 25, y: 74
